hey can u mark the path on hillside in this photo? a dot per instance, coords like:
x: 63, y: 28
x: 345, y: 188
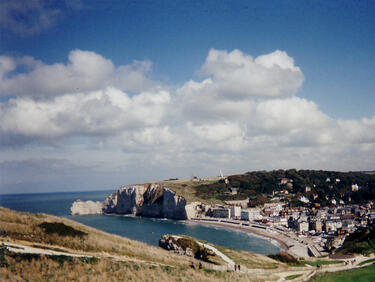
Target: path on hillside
x: 306, y: 272
x: 309, y: 271
x: 217, y: 252
x: 23, y: 249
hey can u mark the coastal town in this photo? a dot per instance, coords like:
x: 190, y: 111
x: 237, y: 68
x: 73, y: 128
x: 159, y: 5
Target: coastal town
x: 302, y: 231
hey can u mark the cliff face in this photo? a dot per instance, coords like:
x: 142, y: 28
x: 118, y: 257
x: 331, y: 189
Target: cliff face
x: 125, y: 200
x: 149, y: 200
x: 88, y: 207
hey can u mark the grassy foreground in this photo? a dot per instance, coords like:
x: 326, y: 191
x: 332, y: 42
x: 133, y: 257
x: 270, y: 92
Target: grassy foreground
x: 106, y: 257
x: 361, y: 275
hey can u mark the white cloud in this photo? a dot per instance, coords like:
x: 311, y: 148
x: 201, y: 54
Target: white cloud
x: 215, y: 132
x: 243, y: 115
x: 85, y: 71
x: 236, y: 75
x: 104, y: 112
x: 284, y: 115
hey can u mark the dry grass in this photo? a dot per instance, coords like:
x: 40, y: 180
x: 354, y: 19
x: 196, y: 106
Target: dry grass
x: 119, y: 258
x: 250, y: 260
x: 186, y: 188
x: 46, y: 269
x: 25, y: 227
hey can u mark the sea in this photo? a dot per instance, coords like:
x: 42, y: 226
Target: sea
x: 148, y: 230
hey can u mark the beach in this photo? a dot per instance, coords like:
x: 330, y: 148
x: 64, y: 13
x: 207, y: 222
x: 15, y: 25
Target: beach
x: 286, y: 244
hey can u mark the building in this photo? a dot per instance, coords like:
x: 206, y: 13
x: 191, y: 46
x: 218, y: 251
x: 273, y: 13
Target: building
x: 222, y: 213
x: 285, y: 181
x: 303, y: 226
x: 303, y: 199
x: 355, y: 187
x: 251, y: 214
x: 332, y: 225
x: 316, y: 225
x: 235, y: 211
x: 234, y: 190
x: 278, y: 220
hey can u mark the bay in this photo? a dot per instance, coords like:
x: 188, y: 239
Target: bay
x: 148, y: 230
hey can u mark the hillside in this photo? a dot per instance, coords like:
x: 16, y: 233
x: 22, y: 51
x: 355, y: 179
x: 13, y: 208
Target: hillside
x: 361, y: 241
x: 84, y: 253
x: 40, y: 247
x: 324, y: 185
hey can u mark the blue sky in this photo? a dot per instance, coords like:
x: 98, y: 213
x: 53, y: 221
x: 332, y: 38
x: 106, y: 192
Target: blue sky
x: 332, y: 42
x: 325, y: 65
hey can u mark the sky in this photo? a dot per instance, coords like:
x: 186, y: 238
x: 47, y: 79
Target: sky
x: 99, y: 94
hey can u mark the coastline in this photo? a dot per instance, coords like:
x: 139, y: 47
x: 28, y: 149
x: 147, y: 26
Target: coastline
x: 273, y: 239
x: 250, y: 230
x: 284, y: 242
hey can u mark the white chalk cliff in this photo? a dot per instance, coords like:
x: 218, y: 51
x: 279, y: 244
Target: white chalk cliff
x: 149, y: 200
x: 86, y: 207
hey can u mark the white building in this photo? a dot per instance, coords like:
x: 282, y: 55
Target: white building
x: 303, y: 226
x: 355, y: 187
x: 303, y: 199
x: 278, y: 220
x: 251, y: 214
x: 235, y: 211
x: 332, y: 225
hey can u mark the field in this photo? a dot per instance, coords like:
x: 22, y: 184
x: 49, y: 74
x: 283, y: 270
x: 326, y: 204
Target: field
x: 190, y: 190
x: 322, y: 262
x: 358, y: 275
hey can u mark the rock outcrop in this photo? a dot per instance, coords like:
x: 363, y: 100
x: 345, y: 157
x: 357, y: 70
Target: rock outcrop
x: 185, y: 246
x: 149, y: 200
x: 86, y: 207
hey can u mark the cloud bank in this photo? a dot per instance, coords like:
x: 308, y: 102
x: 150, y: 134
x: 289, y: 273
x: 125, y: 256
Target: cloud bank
x: 244, y: 114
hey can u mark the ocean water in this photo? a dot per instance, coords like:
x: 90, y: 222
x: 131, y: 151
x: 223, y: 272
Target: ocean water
x: 148, y: 230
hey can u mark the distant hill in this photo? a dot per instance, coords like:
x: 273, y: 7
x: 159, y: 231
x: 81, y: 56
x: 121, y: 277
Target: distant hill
x: 323, y: 184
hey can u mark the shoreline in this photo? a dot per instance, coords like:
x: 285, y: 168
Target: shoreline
x: 266, y: 236
x: 273, y: 239
x: 282, y: 241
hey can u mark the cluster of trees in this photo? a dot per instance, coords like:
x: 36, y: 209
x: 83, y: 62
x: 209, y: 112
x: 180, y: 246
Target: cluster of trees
x: 361, y: 241
x: 323, y: 185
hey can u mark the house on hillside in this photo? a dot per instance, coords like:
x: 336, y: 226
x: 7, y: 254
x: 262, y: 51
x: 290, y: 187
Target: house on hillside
x: 234, y: 190
x: 355, y: 187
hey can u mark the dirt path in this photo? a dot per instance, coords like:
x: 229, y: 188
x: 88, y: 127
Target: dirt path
x: 23, y: 249
x: 217, y: 252
x: 306, y: 272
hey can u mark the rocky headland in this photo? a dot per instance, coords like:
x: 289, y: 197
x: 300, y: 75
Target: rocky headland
x: 148, y: 200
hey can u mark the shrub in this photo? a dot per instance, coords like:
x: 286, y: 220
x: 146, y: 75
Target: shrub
x: 61, y: 229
